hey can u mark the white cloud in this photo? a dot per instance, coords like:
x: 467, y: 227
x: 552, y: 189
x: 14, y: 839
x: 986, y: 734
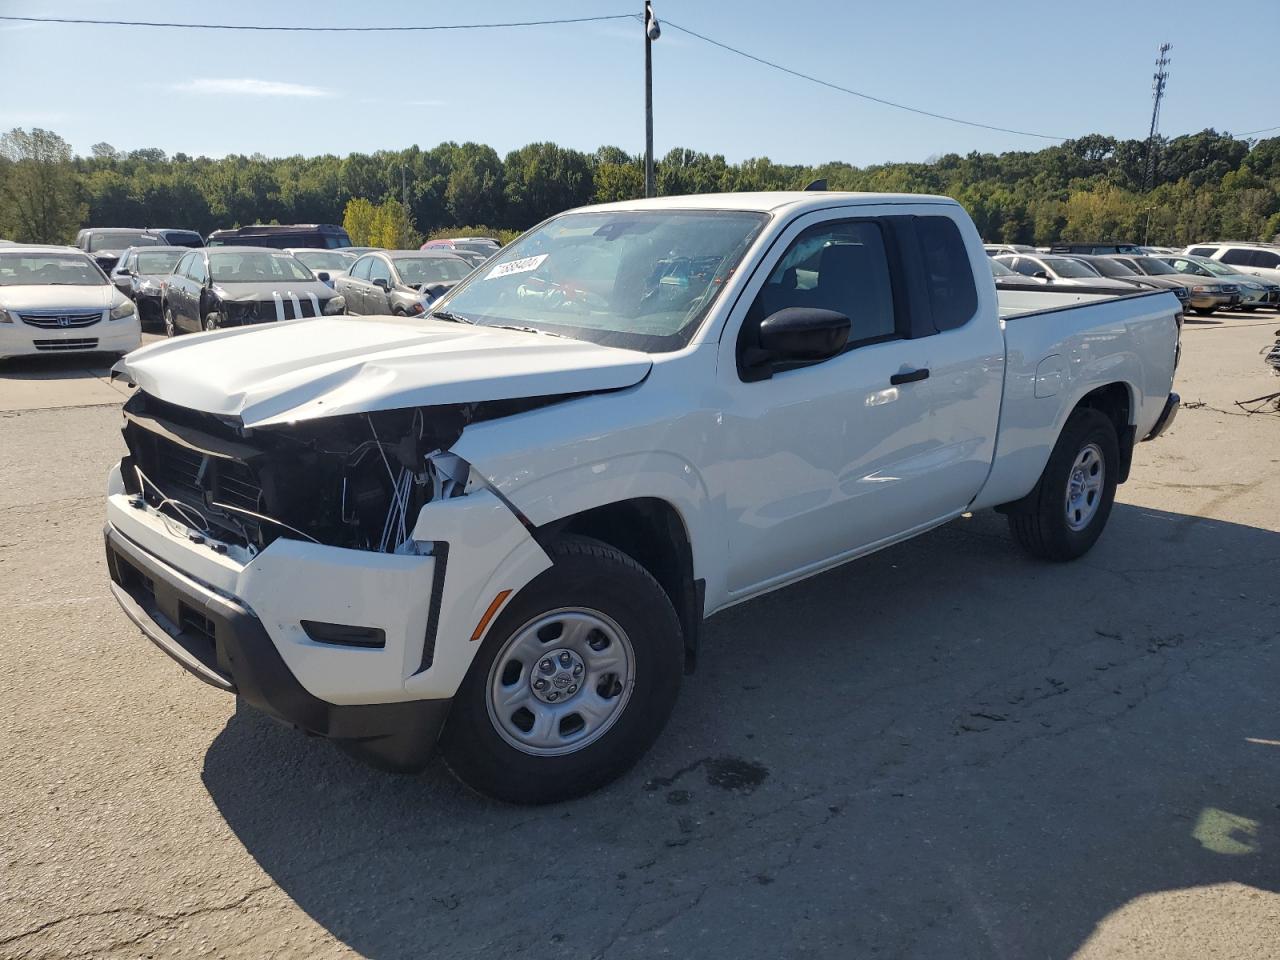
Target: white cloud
x: 248, y: 86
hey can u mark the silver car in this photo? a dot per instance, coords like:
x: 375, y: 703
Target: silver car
x: 1062, y: 271
x: 327, y: 265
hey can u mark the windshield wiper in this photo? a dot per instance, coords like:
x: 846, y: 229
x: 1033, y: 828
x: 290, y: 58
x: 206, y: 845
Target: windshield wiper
x: 517, y: 327
x: 452, y: 317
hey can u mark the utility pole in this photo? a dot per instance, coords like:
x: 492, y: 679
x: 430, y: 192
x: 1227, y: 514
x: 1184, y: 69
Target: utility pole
x: 1157, y: 88
x: 651, y: 33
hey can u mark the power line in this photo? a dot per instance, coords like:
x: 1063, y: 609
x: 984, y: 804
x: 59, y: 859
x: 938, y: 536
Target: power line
x: 1249, y: 133
x: 311, y: 29
x: 856, y: 93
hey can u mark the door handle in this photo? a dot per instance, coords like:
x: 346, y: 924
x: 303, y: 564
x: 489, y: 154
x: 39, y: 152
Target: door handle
x: 910, y: 376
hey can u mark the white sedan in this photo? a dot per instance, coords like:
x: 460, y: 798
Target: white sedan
x: 57, y: 300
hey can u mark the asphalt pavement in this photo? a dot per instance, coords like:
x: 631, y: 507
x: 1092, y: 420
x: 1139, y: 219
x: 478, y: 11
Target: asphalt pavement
x: 945, y: 750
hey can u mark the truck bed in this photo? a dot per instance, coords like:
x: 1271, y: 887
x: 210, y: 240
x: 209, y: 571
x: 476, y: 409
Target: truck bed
x: 1061, y: 346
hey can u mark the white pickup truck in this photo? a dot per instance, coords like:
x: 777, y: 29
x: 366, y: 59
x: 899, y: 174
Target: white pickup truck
x: 498, y: 529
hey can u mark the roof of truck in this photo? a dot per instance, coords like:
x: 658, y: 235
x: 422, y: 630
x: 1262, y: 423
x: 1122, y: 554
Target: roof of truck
x: 767, y: 202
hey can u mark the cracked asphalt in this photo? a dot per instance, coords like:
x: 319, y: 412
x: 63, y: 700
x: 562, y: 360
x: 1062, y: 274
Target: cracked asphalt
x: 941, y: 751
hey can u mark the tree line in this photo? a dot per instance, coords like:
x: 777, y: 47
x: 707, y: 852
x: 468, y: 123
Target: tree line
x: 1205, y: 185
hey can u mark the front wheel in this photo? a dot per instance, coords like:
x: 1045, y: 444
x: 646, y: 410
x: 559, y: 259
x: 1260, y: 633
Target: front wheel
x: 212, y: 320
x: 170, y: 328
x: 1204, y: 311
x: 1065, y: 514
x: 574, y: 682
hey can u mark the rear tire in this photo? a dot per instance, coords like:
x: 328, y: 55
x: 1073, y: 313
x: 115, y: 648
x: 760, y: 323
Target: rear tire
x: 524, y: 728
x: 1065, y: 514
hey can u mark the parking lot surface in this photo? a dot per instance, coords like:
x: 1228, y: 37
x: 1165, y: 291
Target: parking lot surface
x: 943, y: 750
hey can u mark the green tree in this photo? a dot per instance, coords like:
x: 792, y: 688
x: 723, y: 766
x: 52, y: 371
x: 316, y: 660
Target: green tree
x: 474, y: 190
x: 358, y: 220
x: 41, y: 192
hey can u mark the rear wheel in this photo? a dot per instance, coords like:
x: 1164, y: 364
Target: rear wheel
x: 1066, y: 513
x: 574, y: 682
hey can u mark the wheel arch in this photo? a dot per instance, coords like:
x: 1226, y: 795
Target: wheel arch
x: 652, y: 532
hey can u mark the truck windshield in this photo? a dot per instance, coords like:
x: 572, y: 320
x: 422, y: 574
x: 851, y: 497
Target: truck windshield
x: 642, y: 280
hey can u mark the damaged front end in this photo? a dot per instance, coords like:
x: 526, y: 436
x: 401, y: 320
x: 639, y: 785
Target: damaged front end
x: 356, y: 481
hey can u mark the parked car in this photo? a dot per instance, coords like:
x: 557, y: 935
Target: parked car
x: 475, y: 250
x: 57, y: 300
x: 327, y: 265
x: 996, y: 249
x: 1207, y: 293
x: 1252, y: 292
x: 140, y: 275
x: 513, y: 514
x: 1262, y: 260
x: 218, y: 287
x: 360, y: 251
x: 400, y: 282
x: 1095, y: 246
x: 107, y: 243
x: 1062, y: 271
x: 282, y: 236
x: 1113, y: 269
x: 1009, y: 279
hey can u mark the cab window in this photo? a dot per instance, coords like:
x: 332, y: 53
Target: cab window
x: 835, y: 266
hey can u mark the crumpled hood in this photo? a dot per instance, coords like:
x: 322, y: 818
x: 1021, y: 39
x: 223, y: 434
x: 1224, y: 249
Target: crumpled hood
x: 307, y: 369
x: 52, y: 296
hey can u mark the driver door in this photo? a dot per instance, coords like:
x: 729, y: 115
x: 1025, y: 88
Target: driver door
x: 825, y: 460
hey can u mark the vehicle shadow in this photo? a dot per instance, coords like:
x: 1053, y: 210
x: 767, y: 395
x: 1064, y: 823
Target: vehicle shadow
x: 942, y: 750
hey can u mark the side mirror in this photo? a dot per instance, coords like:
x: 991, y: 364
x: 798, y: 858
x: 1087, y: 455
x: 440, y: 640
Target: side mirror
x: 1042, y: 275
x: 322, y: 276
x: 382, y: 284
x: 794, y: 335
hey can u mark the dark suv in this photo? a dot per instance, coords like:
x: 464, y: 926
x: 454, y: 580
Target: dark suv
x: 326, y: 236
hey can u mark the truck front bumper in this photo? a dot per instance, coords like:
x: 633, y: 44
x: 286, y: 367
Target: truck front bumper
x: 222, y: 642
x: 349, y: 644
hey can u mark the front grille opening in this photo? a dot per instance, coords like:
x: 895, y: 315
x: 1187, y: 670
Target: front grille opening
x: 196, y: 624
x: 56, y: 345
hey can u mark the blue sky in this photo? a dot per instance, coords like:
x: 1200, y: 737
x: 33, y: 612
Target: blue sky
x: 1058, y: 68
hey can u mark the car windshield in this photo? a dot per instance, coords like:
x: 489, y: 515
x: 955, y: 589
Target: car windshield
x: 326, y: 259
x: 636, y: 279
x: 119, y: 239
x: 256, y: 267
x: 1111, y: 268
x: 69, y: 269
x: 1000, y: 270
x: 1218, y: 269
x: 159, y: 261
x: 1154, y: 267
x: 416, y: 270
x: 1074, y: 269
x: 1184, y: 265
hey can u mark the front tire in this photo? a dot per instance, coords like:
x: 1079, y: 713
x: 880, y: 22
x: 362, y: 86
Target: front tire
x: 574, y: 682
x: 212, y: 321
x: 1065, y: 514
x: 170, y: 327
x: 1204, y: 311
